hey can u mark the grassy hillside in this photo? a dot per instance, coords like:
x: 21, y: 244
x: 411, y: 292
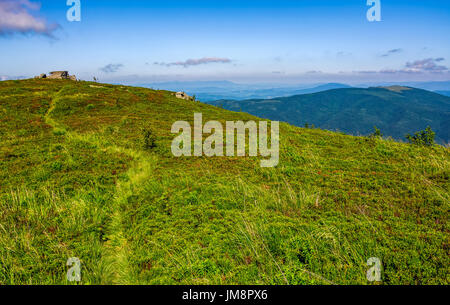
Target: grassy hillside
x: 76, y: 181
x: 396, y: 110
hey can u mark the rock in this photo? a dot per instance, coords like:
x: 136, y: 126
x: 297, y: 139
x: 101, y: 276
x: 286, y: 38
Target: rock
x: 184, y: 96
x: 43, y: 75
x: 58, y: 75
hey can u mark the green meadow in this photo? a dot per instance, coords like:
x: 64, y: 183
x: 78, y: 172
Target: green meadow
x: 78, y: 179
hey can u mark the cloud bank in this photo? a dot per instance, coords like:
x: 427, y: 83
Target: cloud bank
x: 16, y: 16
x: 195, y: 62
x: 7, y: 77
x: 427, y: 65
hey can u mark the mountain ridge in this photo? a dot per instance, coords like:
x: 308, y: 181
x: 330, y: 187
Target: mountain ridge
x: 396, y: 112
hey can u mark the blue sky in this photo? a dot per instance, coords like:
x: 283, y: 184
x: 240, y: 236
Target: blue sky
x: 303, y: 41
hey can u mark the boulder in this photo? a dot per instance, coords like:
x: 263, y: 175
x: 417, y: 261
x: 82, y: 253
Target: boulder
x: 183, y: 96
x: 59, y: 75
x: 43, y: 75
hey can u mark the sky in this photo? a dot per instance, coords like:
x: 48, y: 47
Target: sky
x: 302, y: 41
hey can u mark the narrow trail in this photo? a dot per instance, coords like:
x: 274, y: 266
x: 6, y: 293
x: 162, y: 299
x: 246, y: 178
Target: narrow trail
x: 116, y: 249
x: 47, y: 116
x: 115, y: 253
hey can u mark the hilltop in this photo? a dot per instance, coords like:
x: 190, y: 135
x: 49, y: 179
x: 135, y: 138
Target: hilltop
x: 396, y: 110
x: 78, y: 179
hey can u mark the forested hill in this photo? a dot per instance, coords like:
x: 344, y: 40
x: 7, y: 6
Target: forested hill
x: 395, y: 110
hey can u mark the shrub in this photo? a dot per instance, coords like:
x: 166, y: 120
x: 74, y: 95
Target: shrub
x: 376, y: 133
x: 424, y: 137
x: 149, y: 138
x: 59, y: 132
x: 56, y: 166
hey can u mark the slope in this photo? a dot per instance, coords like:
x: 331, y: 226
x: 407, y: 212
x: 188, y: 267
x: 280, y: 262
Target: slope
x: 77, y: 181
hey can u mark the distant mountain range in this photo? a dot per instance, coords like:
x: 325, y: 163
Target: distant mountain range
x: 430, y: 86
x: 396, y: 110
x: 211, y: 91
x: 207, y: 91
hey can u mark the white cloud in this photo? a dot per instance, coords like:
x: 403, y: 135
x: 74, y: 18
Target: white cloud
x: 18, y: 16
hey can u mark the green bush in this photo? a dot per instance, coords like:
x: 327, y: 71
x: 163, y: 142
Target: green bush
x: 424, y: 137
x: 376, y: 133
x: 149, y: 138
